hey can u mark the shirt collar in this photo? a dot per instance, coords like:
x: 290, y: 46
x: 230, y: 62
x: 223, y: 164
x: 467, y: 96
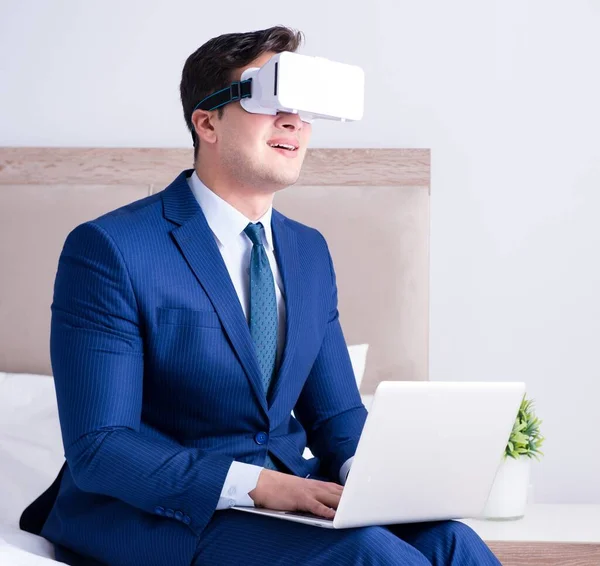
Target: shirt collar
x: 226, y: 221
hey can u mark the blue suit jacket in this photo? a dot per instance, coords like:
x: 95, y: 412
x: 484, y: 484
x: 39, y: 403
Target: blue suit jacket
x: 158, y: 384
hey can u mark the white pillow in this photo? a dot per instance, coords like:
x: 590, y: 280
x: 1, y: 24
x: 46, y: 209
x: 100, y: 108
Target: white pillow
x: 358, y: 358
x: 31, y: 451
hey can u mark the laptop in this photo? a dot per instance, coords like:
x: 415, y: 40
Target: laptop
x: 428, y: 451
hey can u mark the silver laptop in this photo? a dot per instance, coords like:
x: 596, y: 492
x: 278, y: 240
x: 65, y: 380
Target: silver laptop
x: 428, y: 451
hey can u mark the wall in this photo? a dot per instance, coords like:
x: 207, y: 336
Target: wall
x: 504, y: 93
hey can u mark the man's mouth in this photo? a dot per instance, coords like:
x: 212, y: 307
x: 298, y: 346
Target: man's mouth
x: 285, y: 146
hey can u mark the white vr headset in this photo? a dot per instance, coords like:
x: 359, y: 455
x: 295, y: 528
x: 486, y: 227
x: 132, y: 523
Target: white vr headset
x: 312, y: 87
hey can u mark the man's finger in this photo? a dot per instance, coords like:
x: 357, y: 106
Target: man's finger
x: 330, y: 500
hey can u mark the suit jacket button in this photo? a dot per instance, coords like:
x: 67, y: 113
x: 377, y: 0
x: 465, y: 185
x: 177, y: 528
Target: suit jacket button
x: 169, y: 513
x: 186, y: 520
x: 159, y: 510
x: 260, y: 437
x: 179, y: 515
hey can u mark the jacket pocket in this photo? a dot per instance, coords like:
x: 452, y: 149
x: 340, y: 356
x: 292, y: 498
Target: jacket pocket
x: 188, y: 317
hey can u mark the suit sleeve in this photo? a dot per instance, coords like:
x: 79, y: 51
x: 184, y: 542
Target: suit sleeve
x: 97, y: 355
x: 330, y: 407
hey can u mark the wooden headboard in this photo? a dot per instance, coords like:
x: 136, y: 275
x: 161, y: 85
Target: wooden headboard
x: 372, y: 206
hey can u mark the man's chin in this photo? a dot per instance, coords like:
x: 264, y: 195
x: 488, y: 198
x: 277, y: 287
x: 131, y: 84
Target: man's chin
x: 274, y: 179
x: 285, y: 180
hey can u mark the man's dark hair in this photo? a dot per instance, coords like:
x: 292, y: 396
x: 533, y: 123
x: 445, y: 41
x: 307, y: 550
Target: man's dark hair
x: 211, y: 66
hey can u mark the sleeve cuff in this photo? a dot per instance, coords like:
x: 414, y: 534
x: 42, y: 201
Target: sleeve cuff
x: 241, y: 479
x: 344, y: 470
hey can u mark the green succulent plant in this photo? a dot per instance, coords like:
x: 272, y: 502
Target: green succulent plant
x: 525, y: 439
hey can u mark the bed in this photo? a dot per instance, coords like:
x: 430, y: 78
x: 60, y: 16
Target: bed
x: 372, y: 205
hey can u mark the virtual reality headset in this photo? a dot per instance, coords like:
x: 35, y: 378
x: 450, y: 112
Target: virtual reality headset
x: 312, y: 87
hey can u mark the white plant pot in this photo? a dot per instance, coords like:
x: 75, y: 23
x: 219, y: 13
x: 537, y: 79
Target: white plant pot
x: 508, y: 496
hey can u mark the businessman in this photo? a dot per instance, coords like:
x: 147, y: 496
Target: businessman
x: 186, y: 327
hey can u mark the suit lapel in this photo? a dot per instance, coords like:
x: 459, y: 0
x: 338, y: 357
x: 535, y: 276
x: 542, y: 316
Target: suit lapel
x: 287, y: 254
x: 196, y: 242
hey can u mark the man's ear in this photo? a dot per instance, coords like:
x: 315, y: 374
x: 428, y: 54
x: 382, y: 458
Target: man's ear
x: 203, y: 122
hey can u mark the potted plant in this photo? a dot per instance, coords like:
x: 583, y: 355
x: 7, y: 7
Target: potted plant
x: 508, y: 496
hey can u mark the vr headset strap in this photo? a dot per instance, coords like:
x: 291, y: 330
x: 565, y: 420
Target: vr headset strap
x: 235, y: 91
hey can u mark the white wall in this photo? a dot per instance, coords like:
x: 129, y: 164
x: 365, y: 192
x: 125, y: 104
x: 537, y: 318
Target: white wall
x: 504, y: 93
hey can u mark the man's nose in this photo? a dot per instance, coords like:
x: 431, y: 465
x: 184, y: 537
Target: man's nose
x: 289, y: 120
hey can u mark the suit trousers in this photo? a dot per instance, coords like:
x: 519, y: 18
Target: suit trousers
x: 235, y: 537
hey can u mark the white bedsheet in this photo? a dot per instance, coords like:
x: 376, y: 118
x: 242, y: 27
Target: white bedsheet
x: 18, y: 548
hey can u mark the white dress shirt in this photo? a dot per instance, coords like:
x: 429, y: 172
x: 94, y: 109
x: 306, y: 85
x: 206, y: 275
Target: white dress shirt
x: 227, y: 225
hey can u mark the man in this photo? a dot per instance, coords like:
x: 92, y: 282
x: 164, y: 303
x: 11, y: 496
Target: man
x: 185, y: 329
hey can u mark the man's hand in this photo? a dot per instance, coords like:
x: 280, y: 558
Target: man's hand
x: 285, y: 492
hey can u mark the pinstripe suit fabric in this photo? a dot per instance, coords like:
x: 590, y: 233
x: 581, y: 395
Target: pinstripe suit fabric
x: 159, y: 388
x: 265, y: 540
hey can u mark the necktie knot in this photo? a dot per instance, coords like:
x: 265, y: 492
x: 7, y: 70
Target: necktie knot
x: 254, y: 232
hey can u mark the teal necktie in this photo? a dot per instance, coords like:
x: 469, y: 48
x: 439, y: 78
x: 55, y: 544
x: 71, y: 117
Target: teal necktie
x: 263, y: 311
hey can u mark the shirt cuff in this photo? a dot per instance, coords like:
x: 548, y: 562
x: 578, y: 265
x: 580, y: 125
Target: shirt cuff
x: 241, y: 479
x: 344, y: 470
